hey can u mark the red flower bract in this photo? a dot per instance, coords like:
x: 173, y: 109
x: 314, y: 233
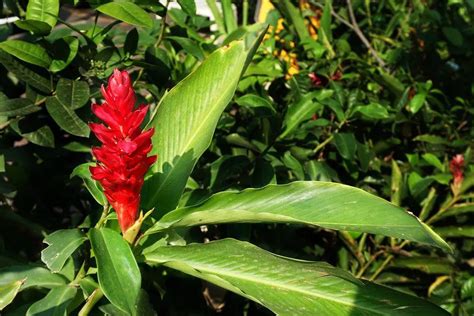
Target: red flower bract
x: 456, y: 166
x: 122, y: 158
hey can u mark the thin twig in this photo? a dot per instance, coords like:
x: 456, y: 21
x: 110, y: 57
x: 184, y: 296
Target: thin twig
x: 163, y: 26
x: 362, y: 37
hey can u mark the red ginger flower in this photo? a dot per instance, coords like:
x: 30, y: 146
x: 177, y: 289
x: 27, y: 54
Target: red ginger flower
x: 122, y: 158
x: 456, y: 166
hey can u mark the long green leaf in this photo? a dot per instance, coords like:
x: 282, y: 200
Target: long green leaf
x: 127, y: 12
x: 118, y: 273
x: 34, y: 276
x: 325, y: 204
x: 15, y: 107
x: 73, y: 93
x: 286, y: 286
x: 23, y: 73
x: 29, y: 52
x: 187, y: 117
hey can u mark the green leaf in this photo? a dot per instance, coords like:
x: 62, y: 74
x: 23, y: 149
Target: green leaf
x: 34, y: 276
x: 254, y: 101
x: 325, y: 204
x: 456, y: 231
x: 286, y: 286
x: 346, y: 145
x: 187, y: 117
x: 36, y: 27
x: 453, y: 35
x: 29, y: 52
x: 43, y: 10
x: 229, y: 17
x: 434, y: 161
x: 23, y: 73
x: 118, y: 272
x: 17, y: 107
x: 417, y: 102
x: 55, y: 303
x: 8, y: 292
x: 61, y: 245
x: 72, y: 93
x: 127, y: 12
x: 188, y: 6
x: 66, y: 118
x: 94, y: 188
x: 303, y: 110
x: 64, y: 52
x: 372, y: 111
x: 189, y: 46
x: 131, y: 42
x: 428, y: 265
x: 43, y: 136
x: 431, y: 139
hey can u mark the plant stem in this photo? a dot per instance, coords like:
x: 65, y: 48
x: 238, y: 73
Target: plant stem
x: 103, y: 217
x: 361, y: 35
x: 245, y: 12
x: 380, y: 269
x: 91, y: 301
x: 323, y: 144
x: 162, y: 26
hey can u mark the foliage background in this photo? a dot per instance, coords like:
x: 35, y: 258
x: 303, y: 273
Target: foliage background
x: 317, y: 103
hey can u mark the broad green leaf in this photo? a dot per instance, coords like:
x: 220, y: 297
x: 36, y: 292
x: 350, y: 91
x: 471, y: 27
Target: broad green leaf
x: 55, y: 303
x: 303, y: 110
x: 72, y: 93
x: 17, y: 107
x: 34, y: 276
x: 29, y: 52
x: 254, y: 101
x: 118, y: 272
x: 346, y: 145
x: 61, y: 245
x: 8, y: 292
x: 43, y: 10
x: 94, y: 188
x: 187, y: 117
x: 36, y: 27
x: 64, y: 52
x: 66, y: 118
x: 372, y: 111
x: 43, y: 136
x: 23, y: 73
x: 286, y: 286
x: 431, y: 139
x: 127, y: 12
x: 131, y: 42
x: 325, y: 204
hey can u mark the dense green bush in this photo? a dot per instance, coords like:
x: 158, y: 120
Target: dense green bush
x: 373, y: 94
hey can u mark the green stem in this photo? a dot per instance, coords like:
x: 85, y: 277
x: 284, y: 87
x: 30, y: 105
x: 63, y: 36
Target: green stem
x: 245, y: 12
x: 103, y: 217
x: 323, y: 144
x: 91, y: 301
x: 381, y: 268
